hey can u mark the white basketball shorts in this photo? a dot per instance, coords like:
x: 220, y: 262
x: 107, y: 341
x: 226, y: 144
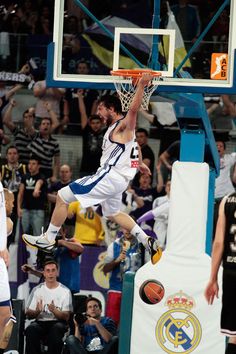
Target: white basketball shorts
x: 104, y: 188
x: 4, y: 284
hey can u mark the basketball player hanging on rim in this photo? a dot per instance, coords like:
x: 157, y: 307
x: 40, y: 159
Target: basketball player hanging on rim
x: 119, y: 162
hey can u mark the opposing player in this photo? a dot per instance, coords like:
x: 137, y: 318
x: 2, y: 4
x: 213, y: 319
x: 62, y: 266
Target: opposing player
x: 6, y: 318
x: 119, y: 162
x: 224, y: 251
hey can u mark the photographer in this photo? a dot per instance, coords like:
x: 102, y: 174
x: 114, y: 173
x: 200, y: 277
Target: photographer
x: 93, y: 333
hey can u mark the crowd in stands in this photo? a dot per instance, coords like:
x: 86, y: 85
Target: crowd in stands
x: 34, y: 20
x: 30, y: 168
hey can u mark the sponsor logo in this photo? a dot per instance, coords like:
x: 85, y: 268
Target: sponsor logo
x: 219, y: 66
x: 178, y: 330
x: 135, y: 164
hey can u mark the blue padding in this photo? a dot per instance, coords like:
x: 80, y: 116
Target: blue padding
x: 126, y: 313
x: 192, y: 146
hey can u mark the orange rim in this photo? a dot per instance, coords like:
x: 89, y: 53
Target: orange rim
x: 134, y: 72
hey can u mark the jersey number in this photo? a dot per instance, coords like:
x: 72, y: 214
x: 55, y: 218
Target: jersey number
x: 134, y: 153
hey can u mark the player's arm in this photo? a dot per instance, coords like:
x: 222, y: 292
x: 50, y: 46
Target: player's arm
x: 71, y: 245
x: 82, y: 109
x: 7, y: 117
x: 164, y: 158
x: 37, y: 188
x: 54, y: 118
x: 20, y: 199
x: 234, y: 174
x: 12, y: 91
x: 26, y: 268
x: 229, y: 105
x: 135, y: 105
x: 52, y: 197
x: 212, y: 288
x: 4, y: 138
x: 110, y: 261
x: 56, y: 167
x: 104, y: 332
x: 143, y: 168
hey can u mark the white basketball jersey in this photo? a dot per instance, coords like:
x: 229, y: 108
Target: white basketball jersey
x: 122, y: 157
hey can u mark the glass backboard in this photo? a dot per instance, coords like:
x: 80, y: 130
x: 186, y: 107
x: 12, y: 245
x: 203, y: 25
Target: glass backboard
x: 205, y: 64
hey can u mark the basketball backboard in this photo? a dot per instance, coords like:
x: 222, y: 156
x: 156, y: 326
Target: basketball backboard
x: 117, y: 43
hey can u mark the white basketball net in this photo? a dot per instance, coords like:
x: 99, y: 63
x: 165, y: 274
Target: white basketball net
x: 126, y: 92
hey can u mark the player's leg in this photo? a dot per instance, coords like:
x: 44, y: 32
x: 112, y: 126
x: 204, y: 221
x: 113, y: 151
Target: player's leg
x: 231, y: 347
x: 111, y: 209
x: 6, y: 324
x: 90, y: 190
x: 228, y: 312
x: 87, y: 190
x: 126, y: 222
x: 46, y: 241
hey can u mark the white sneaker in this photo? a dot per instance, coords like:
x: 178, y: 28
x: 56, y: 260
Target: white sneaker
x: 41, y: 242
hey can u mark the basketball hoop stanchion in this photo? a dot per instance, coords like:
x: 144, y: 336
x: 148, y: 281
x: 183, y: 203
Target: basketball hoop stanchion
x: 126, y: 80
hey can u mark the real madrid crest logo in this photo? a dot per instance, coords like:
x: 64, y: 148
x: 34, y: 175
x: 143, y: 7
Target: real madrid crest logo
x: 178, y: 330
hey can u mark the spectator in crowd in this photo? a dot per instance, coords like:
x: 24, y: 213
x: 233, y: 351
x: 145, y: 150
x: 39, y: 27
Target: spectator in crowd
x: 146, y: 151
x: 47, y: 150
x: 66, y: 254
x: 188, y: 20
x: 65, y: 175
x: 224, y: 252
x: 72, y: 50
x: 88, y: 225
x: 72, y: 25
x: 32, y: 199
x: 160, y: 213
x: 22, y: 136
x: 95, y: 334
x: 89, y: 96
x: 124, y: 254
x: 92, y: 134
x: 146, y: 193
x: 224, y: 182
x: 15, y: 27
x: 167, y: 158
x: 222, y: 113
x: 220, y: 32
x: 11, y: 175
x: 74, y: 10
x: 50, y: 305
x: 136, y: 11
x: 229, y: 102
x: 50, y: 95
